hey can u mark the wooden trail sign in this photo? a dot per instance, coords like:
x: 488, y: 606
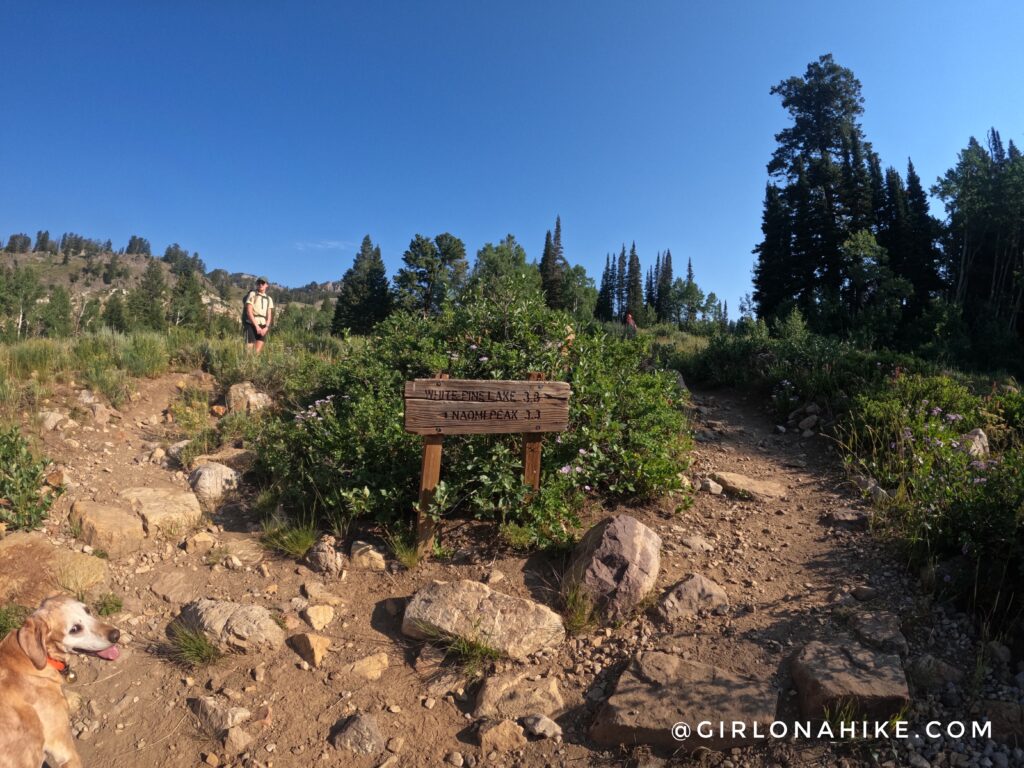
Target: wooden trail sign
x: 480, y: 407
x: 443, y: 406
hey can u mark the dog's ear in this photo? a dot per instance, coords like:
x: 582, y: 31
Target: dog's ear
x: 32, y: 639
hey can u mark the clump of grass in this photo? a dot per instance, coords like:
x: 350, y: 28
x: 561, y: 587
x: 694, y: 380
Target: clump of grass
x: 190, y: 647
x: 289, y: 538
x: 402, y: 543
x: 145, y: 354
x: 11, y: 617
x: 577, y: 607
x: 189, y: 410
x: 520, y: 537
x: 103, y: 377
x: 215, y: 555
x: 109, y: 604
x: 471, y: 655
x: 201, y: 443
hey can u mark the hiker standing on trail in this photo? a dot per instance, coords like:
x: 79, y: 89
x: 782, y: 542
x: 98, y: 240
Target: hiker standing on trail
x: 257, y: 313
x: 630, y: 325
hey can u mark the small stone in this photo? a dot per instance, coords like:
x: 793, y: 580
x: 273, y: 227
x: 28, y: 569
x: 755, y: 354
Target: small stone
x: 454, y: 758
x: 395, y: 744
x: 318, y: 616
x: 236, y: 741
x: 501, y: 736
x: 370, y: 667
x: 311, y: 648
x: 366, y: 555
x: 429, y: 702
x: 709, y: 485
x: 233, y: 563
x: 211, y: 759
x: 359, y: 733
x: 394, y: 709
x: 542, y: 726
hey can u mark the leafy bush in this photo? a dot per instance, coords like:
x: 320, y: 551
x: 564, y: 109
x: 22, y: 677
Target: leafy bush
x: 626, y: 427
x: 22, y: 502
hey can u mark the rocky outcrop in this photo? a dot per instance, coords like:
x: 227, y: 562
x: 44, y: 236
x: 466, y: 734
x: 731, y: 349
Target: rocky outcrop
x: 324, y: 557
x: 233, y: 626
x: 513, y: 626
x: 658, y: 690
x: 615, y: 565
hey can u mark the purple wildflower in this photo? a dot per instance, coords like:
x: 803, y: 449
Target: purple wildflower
x: 565, y: 470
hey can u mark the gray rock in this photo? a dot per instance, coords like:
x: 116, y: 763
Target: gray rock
x: 512, y: 625
x: 542, y: 726
x: 324, y: 557
x: 212, y: 483
x: 245, y: 398
x: 807, y: 423
x: 233, y: 626
x: 697, y: 544
x: 174, y: 587
x: 828, y: 677
x: 359, y: 734
x: 709, y: 485
x: 658, y: 690
x: 217, y: 717
x: 928, y: 673
x: 50, y: 420
x: 854, y: 519
x: 881, y: 630
x: 691, y: 596
x: 616, y: 565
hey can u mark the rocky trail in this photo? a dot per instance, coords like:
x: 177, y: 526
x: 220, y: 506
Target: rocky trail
x: 766, y: 599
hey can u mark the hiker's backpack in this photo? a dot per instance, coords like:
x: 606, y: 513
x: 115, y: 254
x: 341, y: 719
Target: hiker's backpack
x: 245, y: 303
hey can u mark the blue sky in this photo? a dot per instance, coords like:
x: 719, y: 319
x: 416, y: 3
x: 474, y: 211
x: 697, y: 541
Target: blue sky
x: 271, y: 136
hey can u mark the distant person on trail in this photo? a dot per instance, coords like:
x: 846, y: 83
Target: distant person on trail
x: 630, y: 325
x: 257, y: 314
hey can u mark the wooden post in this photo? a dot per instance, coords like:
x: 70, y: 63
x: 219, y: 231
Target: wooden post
x: 531, y: 449
x: 430, y: 473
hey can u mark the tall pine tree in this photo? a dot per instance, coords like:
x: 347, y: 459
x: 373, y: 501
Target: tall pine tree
x: 365, y: 296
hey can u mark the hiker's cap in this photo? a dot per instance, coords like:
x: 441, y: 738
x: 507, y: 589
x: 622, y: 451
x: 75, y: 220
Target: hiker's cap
x: 262, y: 281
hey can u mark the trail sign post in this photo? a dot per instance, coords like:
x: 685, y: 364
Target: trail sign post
x: 442, y: 406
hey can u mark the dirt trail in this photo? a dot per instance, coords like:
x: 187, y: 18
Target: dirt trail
x: 784, y: 566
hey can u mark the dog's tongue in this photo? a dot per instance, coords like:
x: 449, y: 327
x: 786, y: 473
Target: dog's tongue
x: 110, y: 653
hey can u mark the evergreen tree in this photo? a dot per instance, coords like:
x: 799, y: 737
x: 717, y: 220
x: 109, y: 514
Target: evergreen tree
x: 665, y: 309
x: 634, y: 286
x: 502, y: 271
x: 146, y: 303
x: 434, y: 272
x: 18, y: 243
x: 552, y: 268
x: 365, y: 296
x: 42, y: 241
x: 186, y: 304
x: 115, y: 314
x: 604, y: 308
x: 621, y: 285
x: 55, y: 317
x: 922, y: 256
x: 138, y: 245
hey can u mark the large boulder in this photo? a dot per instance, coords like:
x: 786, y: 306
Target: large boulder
x: 741, y: 485
x: 164, y: 511
x: 233, y: 626
x: 115, y: 530
x: 212, y: 483
x: 845, y: 674
x: 690, y: 596
x: 467, y: 609
x: 615, y: 565
x: 245, y: 398
x: 658, y: 690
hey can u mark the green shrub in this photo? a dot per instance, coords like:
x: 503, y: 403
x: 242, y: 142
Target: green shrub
x: 190, y: 410
x: 22, y: 505
x: 626, y: 435
x: 144, y: 354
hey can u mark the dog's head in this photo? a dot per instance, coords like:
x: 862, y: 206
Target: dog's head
x: 63, y: 626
